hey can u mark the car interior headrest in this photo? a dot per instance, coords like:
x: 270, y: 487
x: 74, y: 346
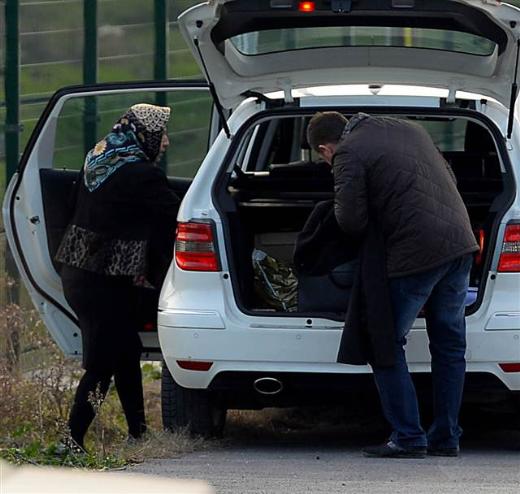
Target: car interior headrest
x: 478, y: 139
x: 304, y: 142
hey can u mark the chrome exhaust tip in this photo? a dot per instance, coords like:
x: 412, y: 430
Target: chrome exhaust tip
x: 268, y: 386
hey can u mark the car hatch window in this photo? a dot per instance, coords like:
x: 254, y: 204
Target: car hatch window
x: 288, y: 39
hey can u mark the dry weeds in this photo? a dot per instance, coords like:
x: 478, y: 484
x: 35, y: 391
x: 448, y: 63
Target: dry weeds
x: 37, y: 384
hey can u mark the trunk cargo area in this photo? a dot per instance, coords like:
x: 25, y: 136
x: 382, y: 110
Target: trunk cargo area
x: 277, y: 182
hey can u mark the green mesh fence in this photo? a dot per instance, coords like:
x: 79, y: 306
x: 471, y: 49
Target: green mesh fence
x: 51, y: 51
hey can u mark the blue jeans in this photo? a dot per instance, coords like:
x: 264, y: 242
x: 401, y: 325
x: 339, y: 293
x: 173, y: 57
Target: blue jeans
x: 442, y: 292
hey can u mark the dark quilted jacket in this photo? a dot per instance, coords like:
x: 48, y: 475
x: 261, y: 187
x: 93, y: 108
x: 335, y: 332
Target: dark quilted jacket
x: 389, y: 170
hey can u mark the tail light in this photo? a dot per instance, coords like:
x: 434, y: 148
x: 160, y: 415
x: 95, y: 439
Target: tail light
x: 195, y: 247
x: 510, y: 257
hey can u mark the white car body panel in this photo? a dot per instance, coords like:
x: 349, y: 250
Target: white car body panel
x: 53, y: 319
x: 199, y: 319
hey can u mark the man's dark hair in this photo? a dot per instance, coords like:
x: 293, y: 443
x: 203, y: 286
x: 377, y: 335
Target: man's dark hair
x: 325, y: 128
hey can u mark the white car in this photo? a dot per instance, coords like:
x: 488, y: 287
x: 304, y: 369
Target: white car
x: 451, y: 66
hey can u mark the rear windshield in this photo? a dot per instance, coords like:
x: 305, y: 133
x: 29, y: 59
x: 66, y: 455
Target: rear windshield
x: 279, y: 40
x: 283, y: 140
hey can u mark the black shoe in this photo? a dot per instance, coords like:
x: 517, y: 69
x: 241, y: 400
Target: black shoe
x: 392, y: 450
x: 451, y: 452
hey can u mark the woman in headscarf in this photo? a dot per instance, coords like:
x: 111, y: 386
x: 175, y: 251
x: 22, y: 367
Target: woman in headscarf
x: 120, y: 237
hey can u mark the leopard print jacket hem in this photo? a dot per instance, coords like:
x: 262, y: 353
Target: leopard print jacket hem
x: 91, y: 251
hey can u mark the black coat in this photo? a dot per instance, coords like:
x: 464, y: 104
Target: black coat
x: 369, y: 334
x: 322, y: 245
x: 135, y: 204
x: 391, y: 167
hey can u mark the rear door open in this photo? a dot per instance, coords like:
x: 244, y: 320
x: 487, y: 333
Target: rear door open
x: 271, y: 45
x: 37, y: 204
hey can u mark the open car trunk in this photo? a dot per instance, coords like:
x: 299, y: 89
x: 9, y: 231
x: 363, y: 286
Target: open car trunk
x: 277, y: 182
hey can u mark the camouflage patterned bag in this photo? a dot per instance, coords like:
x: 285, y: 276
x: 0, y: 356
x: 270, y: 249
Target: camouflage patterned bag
x: 275, y: 282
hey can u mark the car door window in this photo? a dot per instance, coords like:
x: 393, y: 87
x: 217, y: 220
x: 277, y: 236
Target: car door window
x: 84, y: 120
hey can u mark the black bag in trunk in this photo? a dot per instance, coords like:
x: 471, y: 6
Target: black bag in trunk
x: 327, y: 293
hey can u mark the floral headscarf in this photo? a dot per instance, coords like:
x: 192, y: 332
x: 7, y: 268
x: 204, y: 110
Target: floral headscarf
x: 135, y: 137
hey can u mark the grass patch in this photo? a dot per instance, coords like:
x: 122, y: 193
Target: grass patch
x: 37, y: 385
x: 156, y: 444
x: 39, y: 454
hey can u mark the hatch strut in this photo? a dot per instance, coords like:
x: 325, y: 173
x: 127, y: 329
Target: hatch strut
x: 213, y: 92
x: 514, y: 94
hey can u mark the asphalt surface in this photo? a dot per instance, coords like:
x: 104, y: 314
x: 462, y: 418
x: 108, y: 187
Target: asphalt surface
x: 285, y: 457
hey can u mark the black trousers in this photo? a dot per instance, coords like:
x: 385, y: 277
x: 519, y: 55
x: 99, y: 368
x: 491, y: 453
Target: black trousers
x: 106, y: 309
x: 93, y: 387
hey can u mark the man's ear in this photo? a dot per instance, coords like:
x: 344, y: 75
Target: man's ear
x: 327, y: 152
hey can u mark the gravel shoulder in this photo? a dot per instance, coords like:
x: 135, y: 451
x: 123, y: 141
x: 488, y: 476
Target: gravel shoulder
x: 329, y: 460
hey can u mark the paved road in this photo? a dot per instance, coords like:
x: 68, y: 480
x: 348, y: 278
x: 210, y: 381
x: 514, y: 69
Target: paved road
x: 329, y: 461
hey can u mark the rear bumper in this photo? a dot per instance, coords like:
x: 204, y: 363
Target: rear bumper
x: 312, y: 352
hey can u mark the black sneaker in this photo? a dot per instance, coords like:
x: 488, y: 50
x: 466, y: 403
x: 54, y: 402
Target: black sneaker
x: 392, y: 450
x: 451, y: 452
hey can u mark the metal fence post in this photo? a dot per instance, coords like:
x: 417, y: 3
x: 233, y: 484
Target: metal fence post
x: 160, y: 66
x: 90, y: 70
x: 12, y: 154
x: 12, y: 87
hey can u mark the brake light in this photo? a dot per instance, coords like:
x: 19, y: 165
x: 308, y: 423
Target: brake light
x: 194, y: 365
x: 195, y: 247
x: 306, y: 6
x: 510, y: 257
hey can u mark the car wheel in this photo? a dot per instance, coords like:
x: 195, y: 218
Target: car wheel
x: 194, y: 409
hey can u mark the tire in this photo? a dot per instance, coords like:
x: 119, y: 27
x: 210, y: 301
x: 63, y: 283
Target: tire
x: 196, y: 410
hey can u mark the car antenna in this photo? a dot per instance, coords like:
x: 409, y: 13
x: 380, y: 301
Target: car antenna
x: 514, y: 94
x: 213, y: 92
